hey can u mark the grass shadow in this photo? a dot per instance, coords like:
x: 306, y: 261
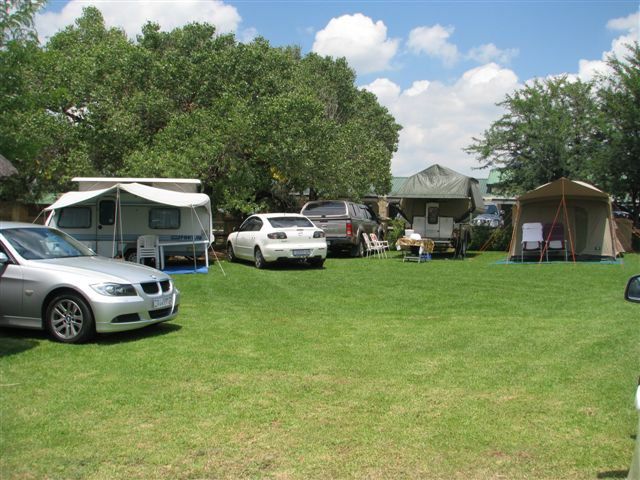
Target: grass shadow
x: 117, y: 338
x: 14, y: 341
x: 613, y: 474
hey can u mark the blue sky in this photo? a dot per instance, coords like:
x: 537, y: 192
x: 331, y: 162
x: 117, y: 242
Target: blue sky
x: 439, y: 67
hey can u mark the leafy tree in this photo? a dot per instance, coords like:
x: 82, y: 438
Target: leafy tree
x: 618, y: 167
x: 550, y: 130
x: 256, y: 124
x: 16, y: 20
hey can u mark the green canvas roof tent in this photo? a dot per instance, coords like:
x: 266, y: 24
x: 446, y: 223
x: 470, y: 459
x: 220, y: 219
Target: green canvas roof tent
x: 457, y: 194
x: 583, y: 211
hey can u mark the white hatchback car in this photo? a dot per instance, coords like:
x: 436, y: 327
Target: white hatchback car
x: 270, y: 237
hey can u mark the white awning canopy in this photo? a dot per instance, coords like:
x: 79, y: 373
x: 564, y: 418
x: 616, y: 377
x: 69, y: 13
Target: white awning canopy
x: 157, y: 195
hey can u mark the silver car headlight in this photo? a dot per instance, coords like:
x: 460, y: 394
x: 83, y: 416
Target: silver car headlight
x: 115, y: 289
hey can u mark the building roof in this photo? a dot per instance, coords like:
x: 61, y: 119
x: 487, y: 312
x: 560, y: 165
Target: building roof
x: 482, y: 183
x: 396, y: 184
x: 495, y: 176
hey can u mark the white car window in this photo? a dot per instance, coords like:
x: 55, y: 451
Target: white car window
x: 290, y: 222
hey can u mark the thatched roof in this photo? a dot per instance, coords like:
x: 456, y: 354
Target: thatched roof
x: 6, y: 169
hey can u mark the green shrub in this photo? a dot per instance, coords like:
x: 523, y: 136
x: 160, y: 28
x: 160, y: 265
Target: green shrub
x: 498, y: 239
x: 396, y: 230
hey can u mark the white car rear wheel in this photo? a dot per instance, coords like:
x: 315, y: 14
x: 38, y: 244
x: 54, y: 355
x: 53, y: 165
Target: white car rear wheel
x: 260, y: 262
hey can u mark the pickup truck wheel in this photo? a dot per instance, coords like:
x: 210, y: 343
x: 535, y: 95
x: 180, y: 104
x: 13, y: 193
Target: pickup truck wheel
x: 358, y: 249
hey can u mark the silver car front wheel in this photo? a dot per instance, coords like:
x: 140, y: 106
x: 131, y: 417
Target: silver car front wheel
x: 69, y: 319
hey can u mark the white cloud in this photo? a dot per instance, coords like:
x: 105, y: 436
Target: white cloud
x: 131, y: 16
x: 417, y: 88
x: 490, y: 53
x: 361, y: 41
x: 434, y: 41
x: 439, y: 120
x: 247, y: 35
x: 630, y: 26
x: 386, y: 90
x: 589, y: 69
x: 630, y: 23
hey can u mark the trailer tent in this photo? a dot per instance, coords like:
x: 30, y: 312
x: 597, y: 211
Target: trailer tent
x: 109, y: 215
x: 456, y: 194
x: 583, y: 211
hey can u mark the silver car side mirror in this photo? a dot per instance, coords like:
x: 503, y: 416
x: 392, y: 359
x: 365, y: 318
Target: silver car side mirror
x: 632, y: 292
x: 3, y: 258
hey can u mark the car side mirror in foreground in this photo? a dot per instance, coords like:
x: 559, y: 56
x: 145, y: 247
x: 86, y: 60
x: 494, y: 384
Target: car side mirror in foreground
x: 632, y: 292
x: 3, y: 259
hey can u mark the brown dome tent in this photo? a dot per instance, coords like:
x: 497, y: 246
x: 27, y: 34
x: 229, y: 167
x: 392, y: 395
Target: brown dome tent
x: 580, y: 211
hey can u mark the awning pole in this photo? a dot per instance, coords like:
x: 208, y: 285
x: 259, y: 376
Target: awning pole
x: 209, y: 245
x: 115, y: 223
x: 514, y: 232
x: 566, y: 219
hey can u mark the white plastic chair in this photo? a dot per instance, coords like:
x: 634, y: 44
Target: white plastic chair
x: 148, y: 248
x: 532, y: 239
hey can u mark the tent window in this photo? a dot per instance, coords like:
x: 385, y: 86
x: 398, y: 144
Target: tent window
x: 74, y: 217
x: 164, y: 218
x: 107, y: 212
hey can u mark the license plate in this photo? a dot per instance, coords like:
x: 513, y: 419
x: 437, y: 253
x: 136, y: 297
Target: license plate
x: 301, y: 253
x: 162, y: 302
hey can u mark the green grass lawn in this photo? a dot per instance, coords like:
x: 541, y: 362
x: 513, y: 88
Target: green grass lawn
x: 365, y: 369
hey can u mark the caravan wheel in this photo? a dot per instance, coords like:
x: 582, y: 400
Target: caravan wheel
x: 131, y: 256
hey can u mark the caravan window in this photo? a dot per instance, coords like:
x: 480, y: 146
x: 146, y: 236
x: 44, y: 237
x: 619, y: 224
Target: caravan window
x: 107, y: 212
x: 432, y: 215
x: 164, y: 218
x: 74, y: 217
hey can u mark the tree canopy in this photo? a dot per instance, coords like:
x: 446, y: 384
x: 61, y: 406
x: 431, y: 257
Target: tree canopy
x: 16, y: 20
x: 253, y: 122
x: 563, y: 127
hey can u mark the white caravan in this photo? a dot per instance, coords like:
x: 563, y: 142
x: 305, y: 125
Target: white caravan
x: 109, y: 214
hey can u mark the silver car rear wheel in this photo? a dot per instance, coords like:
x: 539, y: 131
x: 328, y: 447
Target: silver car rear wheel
x: 69, y: 319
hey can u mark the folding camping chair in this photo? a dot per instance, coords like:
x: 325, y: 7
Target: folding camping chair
x: 369, y: 246
x: 380, y: 245
x: 148, y: 247
x: 532, y: 239
x: 554, y: 237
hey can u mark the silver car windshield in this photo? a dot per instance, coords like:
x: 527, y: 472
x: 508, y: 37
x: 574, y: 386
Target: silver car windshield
x: 44, y: 243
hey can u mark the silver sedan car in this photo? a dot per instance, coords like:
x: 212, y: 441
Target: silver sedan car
x: 48, y: 280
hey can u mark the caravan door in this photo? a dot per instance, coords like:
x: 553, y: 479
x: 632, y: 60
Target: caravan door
x: 433, y: 220
x: 105, y: 224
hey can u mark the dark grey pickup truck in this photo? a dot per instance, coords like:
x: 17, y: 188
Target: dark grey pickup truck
x: 343, y: 223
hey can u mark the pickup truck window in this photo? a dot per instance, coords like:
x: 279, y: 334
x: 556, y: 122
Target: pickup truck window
x: 325, y: 208
x: 290, y: 222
